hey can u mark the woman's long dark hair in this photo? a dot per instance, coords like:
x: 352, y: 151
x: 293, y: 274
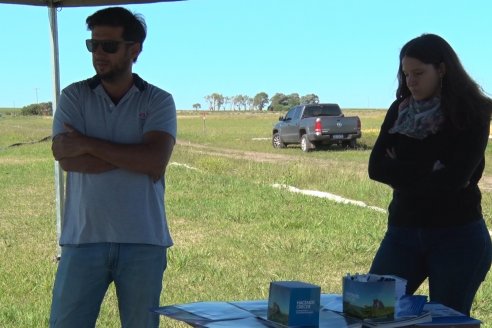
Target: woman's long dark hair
x: 462, y: 99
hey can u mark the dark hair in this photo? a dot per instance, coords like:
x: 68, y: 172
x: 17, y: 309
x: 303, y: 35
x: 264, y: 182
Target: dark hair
x: 134, y: 27
x: 462, y: 99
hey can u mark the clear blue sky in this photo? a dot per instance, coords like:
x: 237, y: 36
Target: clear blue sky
x: 345, y: 51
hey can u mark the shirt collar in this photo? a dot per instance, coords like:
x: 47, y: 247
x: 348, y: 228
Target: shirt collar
x: 138, y: 82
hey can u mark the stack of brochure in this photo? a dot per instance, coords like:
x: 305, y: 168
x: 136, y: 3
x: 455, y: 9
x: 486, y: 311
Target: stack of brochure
x: 370, y: 296
x: 409, y: 311
x: 424, y: 317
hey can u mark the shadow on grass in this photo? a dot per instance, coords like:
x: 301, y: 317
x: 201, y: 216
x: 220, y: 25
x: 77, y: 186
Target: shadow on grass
x: 30, y: 142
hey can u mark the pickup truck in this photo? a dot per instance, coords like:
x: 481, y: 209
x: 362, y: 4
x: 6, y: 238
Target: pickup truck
x: 313, y: 125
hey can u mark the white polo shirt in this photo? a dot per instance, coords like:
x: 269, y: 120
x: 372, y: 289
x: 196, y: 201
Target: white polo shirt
x: 117, y: 206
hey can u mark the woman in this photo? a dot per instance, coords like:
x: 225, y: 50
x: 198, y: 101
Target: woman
x: 431, y: 152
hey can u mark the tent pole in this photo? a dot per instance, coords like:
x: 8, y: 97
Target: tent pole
x: 59, y: 184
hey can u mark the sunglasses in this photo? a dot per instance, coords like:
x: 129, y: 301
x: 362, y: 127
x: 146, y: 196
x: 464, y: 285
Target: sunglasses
x: 108, y: 46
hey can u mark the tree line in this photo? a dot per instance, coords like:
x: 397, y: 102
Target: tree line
x: 260, y: 102
x: 42, y: 109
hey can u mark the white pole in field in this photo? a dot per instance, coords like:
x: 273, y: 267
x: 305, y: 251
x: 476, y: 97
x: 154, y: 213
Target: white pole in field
x: 59, y: 184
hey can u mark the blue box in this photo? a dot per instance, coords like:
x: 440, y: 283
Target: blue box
x: 294, y: 303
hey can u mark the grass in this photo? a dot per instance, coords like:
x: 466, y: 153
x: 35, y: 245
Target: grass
x: 23, y: 129
x: 233, y: 232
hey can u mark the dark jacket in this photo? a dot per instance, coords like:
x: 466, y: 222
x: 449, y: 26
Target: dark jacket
x: 423, y: 198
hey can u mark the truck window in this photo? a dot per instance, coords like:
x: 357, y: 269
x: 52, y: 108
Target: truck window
x: 322, y: 110
x: 293, y: 113
x: 297, y: 112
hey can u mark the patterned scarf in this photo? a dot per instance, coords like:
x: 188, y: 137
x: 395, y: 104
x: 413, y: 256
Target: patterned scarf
x: 418, y: 118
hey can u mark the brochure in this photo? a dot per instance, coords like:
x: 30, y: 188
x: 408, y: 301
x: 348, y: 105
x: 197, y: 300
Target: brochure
x: 400, y: 322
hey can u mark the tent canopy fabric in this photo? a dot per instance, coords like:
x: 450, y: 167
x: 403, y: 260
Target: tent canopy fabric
x: 78, y: 3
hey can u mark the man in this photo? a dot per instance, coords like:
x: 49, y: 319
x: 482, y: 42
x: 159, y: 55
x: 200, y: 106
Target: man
x: 114, y: 135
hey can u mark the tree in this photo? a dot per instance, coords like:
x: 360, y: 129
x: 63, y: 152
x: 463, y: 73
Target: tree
x: 293, y: 100
x: 278, y: 102
x: 227, y: 101
x: 45, y: 109
x: 282, y: 102
x: 248, y: 102
x: 215, y: 101
x: 260, y: 100
x: 218, y: 100
x: 310, y: 99
x: 197, y: 106
x: 210, y: 102
x: 238, y: 101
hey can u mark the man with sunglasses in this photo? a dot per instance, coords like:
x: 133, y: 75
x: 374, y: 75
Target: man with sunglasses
x: 113, y: 134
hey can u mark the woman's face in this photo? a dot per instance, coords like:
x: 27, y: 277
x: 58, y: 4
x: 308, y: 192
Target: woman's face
x: 423, y: 80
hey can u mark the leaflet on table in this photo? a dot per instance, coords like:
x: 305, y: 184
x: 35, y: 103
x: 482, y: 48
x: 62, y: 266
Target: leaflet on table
x: 327, y: 318
x: 444, y: 316
x: 250, y: 322
x: 215, y: 310
x: 440, y: 310
x: 204, y: 311
x: 181, y: 315
x: 258, y: 308
x: 424, y: 317
x: 333, y: 302
x: 408, y: 305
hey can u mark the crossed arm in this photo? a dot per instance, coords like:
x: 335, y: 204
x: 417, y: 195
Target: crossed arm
x: 428, y: 176
x: 79, y: 153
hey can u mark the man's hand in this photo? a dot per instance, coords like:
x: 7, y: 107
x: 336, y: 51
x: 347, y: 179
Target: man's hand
x: 78, y: 152
x: 68, y: 144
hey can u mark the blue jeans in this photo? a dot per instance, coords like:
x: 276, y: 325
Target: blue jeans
x: 85, y: 273
x: 455, y: 259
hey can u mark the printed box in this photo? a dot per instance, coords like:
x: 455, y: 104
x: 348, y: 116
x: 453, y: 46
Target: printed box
x: 369, y: 298
x: 294, y: 303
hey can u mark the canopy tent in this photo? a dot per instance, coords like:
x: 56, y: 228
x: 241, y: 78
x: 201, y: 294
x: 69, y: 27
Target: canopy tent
x: 77, y: 3
x: 52, y: 8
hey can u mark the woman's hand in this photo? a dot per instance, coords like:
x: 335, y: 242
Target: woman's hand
x: 391, y: 153
x: 437, y: 166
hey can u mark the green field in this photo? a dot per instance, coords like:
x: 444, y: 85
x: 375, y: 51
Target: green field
x: 234, y: 232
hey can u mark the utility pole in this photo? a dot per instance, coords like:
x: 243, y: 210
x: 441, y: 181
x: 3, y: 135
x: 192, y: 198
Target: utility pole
x: 37, y: 102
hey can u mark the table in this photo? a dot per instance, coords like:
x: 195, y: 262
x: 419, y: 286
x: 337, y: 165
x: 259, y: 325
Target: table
x: 253, y: 314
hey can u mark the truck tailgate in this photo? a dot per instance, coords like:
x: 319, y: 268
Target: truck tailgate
x: 340, y: 125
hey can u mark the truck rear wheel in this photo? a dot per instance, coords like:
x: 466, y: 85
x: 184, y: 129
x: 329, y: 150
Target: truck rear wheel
x: 277, y: 141
x: 350, y: 144
x: 306, y: 145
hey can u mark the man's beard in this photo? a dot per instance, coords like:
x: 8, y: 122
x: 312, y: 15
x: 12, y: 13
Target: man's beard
x: 113, y: 74
x: 116, y: 72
